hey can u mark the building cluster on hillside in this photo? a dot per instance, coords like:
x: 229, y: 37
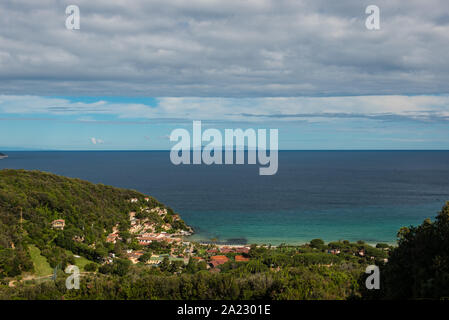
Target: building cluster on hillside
x: 146, y: 232
x: 184, y: 251
x: 114, y: 235
x: 171, y: 245
x: 220, y: 255
x: 58, y: 224
x: 360, y: 253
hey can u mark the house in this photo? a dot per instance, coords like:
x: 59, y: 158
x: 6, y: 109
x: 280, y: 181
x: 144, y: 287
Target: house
x: 198, y: 259
x: 134, y: 200
x: 144, y: 241
x: 242, y: 250
x: 147, y: 199
x: 154, y: 260
x: 108, y: 260
x: 148, y: 227
x: 58, y: 224
x: 134, y: 256
x: 135, y: 228
x: 78, y: 238
x: 132, y: 218
x: 170, y: 240
x: 214, y: 264
x: 218, y: 260
x: 241, y: 259
x: 166, y: 226
x: 226, y: 250
x: 112, y: 237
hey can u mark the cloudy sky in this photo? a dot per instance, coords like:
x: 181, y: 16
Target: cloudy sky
x: 137, y: 69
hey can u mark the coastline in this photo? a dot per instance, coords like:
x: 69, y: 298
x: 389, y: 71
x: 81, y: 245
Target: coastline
x: 223, y: 243
x: 273, y: 211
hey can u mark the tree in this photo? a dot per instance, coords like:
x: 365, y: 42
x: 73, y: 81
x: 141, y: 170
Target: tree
x: 419, y: 266
x: 192, y: 266
x: 317, y: 243
x: 145, y: 257
x: 90, y: 267
x: 382, y: 246
x: 165, y: 264
x: 175, y: 266
x: 121, y: 267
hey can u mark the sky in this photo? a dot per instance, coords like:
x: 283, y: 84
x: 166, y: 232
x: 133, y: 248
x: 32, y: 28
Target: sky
x: 136, y: 70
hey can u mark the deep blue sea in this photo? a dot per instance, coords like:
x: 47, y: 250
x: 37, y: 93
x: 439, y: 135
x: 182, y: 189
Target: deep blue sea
x: 333, y: 195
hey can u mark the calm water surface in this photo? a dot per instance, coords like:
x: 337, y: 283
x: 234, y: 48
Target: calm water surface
x: 332, y: 195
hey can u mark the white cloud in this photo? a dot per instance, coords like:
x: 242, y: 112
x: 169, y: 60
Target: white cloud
x: 392, y: 107
x: 227, y: 48
x: 96, y: 141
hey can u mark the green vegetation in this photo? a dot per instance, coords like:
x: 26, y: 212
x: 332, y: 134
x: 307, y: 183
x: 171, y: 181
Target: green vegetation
x: 419, y: 267
x: 29, y: 201
x: 40, y: 263
x: 82, y: 262
x: 90, y: 267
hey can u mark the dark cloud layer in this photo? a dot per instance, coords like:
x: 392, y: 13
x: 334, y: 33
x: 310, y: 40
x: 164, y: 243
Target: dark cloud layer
x: 224, y: 48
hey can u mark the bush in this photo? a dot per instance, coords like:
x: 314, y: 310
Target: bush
x: 317, y: 243
x: 90, y: 267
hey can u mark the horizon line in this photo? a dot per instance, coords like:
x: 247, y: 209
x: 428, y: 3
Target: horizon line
x: 168, y: 150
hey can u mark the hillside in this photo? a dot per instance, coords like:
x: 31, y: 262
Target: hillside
x: 130, y: 246
x: 31, y: 200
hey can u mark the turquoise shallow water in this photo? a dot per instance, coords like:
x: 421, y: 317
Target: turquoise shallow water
x: 352, y: 195
x: 371, y: 224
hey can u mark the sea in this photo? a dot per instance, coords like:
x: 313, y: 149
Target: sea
x: 332, y: 195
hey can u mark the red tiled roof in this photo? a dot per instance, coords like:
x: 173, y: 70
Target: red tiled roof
x: 215, y: 263
x: 241, y: 258
x: 219, y: 259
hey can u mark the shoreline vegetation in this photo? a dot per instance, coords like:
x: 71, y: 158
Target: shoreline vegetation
x: 227, y: 243
x: 130, y: 246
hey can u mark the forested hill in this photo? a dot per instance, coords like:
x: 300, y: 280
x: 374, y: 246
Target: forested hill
x: 90, y: 211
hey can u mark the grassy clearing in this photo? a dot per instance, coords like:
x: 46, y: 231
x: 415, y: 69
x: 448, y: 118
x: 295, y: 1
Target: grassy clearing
x: 41, y: 266
x: 80, y: 262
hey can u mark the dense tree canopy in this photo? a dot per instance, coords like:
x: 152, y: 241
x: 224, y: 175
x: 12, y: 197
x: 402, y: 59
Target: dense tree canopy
x: 419, y: 266
x: 31, y: 200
